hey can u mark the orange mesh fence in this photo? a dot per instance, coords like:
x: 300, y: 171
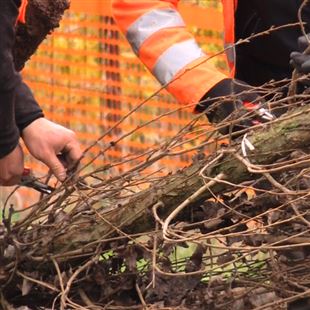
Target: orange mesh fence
x: 86, y: 77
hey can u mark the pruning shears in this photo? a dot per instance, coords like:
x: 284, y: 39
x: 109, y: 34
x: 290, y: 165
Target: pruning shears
x: 263, y: 114
x: 29, y: 180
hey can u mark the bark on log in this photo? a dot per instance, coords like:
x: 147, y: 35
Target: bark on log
x: 271, y: 143
x: 42, y: 17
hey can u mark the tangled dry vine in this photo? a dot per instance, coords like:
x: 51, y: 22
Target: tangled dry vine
x: 113, y: 237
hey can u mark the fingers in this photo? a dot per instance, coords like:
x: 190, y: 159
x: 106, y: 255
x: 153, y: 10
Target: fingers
x: 56, y: 166
x: 69, y: 159
x: 12, y: 167
x: 70, y: 156
x: 59, y: 165
x: 47, y: 140
x: 303, y: 43
x: 10, y: 179
x: 73, y: 153
x: 301, y: 62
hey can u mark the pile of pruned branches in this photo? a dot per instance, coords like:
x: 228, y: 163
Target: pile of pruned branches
x: 230, y: 231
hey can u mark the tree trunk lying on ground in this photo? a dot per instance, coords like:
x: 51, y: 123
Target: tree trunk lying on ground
x: 42, y: 17
x: 271, y: 143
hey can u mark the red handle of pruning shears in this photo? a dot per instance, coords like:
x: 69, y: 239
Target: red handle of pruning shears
x: 26, y: 172
x: 262, y: 113
x: 29, y: 180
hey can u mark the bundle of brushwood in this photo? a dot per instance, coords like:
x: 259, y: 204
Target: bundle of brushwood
x: 229, y: 231
x: 100, y: 241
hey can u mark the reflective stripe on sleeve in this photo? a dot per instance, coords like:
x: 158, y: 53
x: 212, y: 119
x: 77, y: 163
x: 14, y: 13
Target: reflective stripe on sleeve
x: 150, y: 23
x: 231, y: 56
x: 230, y: 52
x: 175, y: 59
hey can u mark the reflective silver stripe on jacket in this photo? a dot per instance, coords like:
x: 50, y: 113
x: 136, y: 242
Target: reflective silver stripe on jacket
x: 230, y: 52
x: 150, y: 23
x: 175, y: 58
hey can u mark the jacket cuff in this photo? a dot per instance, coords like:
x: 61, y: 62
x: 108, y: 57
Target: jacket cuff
x: 222, y: 88
x: 8, y: 141
x: 194, y: 81
x: 9, y: 134
x: 27, y: 109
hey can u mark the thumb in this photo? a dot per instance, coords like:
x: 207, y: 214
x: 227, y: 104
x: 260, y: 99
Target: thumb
x: 56, y: 167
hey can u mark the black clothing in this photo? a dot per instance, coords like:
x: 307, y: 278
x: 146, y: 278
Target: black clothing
x: 17, y: 105
x: 27, y: 109
x: 229, y: 107
x: 9, y: 78
x: 268, y: 56
x: 264, y: 58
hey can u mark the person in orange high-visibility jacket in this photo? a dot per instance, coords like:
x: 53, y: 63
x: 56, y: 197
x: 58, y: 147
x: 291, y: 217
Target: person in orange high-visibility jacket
x: 20, y: 114
x: 158, y: 35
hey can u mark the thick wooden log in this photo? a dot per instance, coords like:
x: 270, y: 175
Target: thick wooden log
x: 273, y: 142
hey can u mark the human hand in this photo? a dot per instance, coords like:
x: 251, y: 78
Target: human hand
x: 233, y: 99
x: 12, y: 167
x: 45, y: 140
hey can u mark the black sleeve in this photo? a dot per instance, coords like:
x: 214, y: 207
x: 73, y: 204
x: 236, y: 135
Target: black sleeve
x: 9, y: 134
x: 9, y: 78
x: 27, y: 109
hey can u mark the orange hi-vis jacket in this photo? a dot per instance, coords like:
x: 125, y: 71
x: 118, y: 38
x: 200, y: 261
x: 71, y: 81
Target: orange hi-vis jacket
x: 158, y: 35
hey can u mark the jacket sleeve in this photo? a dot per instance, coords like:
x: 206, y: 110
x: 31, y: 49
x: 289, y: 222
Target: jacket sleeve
x: 158, y: 36
x: 27, y: 109
x: 9, y: 78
